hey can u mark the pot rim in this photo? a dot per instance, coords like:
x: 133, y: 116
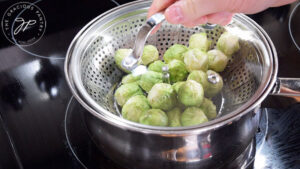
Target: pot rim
x: 81, y: 95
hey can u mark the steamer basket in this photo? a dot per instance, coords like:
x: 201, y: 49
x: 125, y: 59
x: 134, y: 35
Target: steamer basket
x: 93, y: 75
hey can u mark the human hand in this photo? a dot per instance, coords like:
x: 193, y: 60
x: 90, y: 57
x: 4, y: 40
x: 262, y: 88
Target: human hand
x: 194, y: 12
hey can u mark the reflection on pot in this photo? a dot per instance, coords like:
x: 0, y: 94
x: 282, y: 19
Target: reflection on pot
x: 194, y: 149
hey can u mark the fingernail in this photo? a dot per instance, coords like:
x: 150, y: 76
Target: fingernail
x: 175, y: 14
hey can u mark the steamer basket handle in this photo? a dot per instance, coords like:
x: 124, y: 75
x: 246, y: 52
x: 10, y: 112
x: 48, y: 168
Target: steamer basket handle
x: 289, y: 87
x: 133, y: 59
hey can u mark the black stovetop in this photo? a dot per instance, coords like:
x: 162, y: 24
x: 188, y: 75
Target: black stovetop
x: 35, y: 99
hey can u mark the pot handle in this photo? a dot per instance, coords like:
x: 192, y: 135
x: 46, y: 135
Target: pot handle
x: 289, y: 87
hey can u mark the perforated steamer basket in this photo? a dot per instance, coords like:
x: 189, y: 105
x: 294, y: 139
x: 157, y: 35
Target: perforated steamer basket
x: 93, y: 76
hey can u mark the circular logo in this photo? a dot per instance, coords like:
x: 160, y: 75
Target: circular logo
x: 23, y: 23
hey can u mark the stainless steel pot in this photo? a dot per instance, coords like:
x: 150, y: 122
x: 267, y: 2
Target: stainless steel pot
x: 250, y: 76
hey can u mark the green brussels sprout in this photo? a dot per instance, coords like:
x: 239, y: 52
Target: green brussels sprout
x: 130, y: 78
x: 156, y: 66
x: 135, y: 107
x: 200, y: 77
x: 199, y: 41
x: 174, y: 117
x: 154, y: 117
x: 195, y: 59
x: 228, y: 43
x: 212, y: 88
x: 162, y: 96
x: 126, y: 91
x: 149, y: 79
x: 120, y: 55
x: 193, y: 116
x: 217, y: 60
x: 191, y: 93
x: 177, y: 71
x: 177, y: 85
x: 150, y: 54
x: 175, y: 52
x: 209, y: 109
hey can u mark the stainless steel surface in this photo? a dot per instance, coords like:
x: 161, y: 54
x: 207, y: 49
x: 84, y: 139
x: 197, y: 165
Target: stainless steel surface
x: 209, y: 26
x: 244, y: 161
x: 205, y: 150
x: 132, y: 60
x: 270, y: 137
x: 287, y: 87
x: 93, y: 76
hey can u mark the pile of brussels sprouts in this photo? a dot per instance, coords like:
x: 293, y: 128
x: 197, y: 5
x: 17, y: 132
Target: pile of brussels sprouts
x: 186, y: 100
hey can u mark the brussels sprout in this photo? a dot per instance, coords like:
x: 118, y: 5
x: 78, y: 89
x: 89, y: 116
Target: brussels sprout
x: 199, y: 41
x: 217, y: 60
x: 200, y: 77
x: 209, y: 109
x: 214, y: 88
x: 120, y: 55
x: 191, y: 93
x: 228, y: 43
x: 175, y: 52
x: 156, y: 66
x: 177, y: 85
x: 135, y: 107
x: 154, y: 117
x: 150, y: 54
x: 130, y: 78
x: 126, y: 91
x: 177, y: 71
x: 193, y: 116
x: 195, y: 59
x: 162, y: 96
x: 149, y: 79
x: 174, y: 117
